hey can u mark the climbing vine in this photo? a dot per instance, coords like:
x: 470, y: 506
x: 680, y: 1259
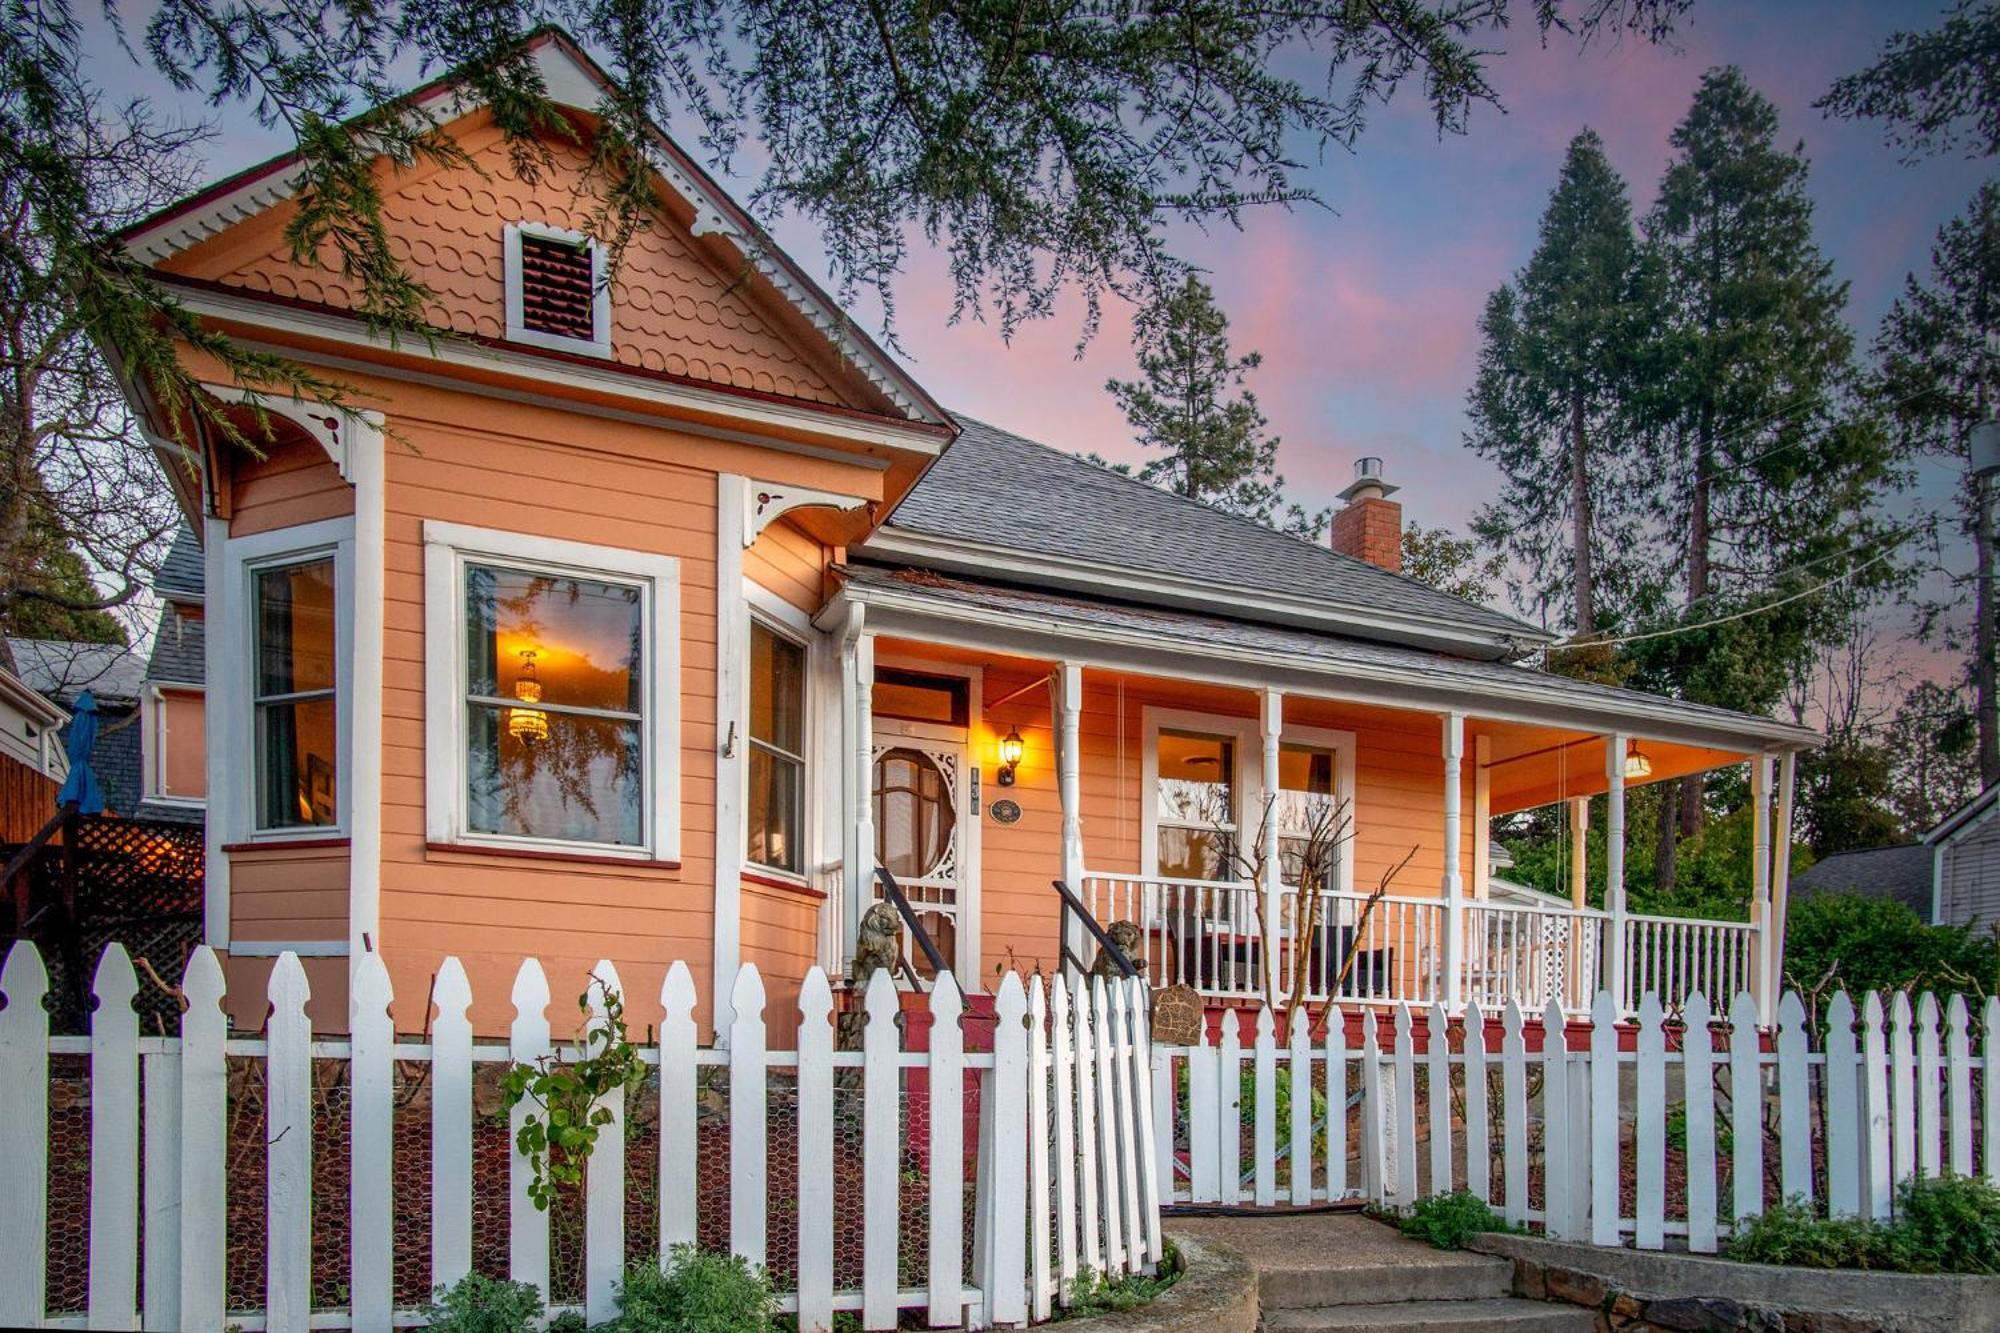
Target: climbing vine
x: 561, y: 1128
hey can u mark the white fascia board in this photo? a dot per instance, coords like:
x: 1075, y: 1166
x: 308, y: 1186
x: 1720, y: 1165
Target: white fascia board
x: 464, y: 354
x: 984, y: 629
x: 39, y: 710
x: 1075, y: 575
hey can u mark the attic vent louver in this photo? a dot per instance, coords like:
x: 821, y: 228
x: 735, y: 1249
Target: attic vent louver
x: 553, y: 297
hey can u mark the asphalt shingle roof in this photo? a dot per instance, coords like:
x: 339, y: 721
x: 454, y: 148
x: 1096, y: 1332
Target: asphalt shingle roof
x: 182, y: 574
x: 1205, y: 633
x: 178, y: 654
x: 998, y: 488
x: 1902, y: 873
x: 61, y: 670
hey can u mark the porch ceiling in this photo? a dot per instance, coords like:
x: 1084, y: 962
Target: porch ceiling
x: 1534, y: 766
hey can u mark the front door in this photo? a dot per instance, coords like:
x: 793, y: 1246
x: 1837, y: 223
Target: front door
x: 923, y: 817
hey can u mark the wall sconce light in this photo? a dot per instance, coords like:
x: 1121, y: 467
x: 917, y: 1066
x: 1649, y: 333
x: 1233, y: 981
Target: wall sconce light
x: 1011, y: 749
x: 1637, y: 765
x: 528, y: 725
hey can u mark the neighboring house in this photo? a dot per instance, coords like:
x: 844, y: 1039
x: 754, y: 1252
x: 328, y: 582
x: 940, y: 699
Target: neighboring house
x: 1965, y: 861
x: 32, y: 761
x: 1905, y: 874
x: 644, y: 620
x: 60, y: 670
x: 173, y: 695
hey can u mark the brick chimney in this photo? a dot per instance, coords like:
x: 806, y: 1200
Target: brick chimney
x: 1371, y: 526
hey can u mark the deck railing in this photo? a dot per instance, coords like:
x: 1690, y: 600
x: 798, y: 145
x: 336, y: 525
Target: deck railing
x: 1388, y: 950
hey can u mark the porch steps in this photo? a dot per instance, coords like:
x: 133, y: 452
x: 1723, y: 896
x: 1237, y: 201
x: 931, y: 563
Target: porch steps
x: 1346, y: 1272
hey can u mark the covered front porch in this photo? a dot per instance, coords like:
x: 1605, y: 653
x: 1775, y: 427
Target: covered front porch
x: 1189, y: 793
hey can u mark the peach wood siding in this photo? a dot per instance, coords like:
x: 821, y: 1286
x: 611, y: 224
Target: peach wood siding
x: 673, y: 309
x: 780, y: 935
x: 293, y: 483
x: 288, y: 893
x: 788, y: 563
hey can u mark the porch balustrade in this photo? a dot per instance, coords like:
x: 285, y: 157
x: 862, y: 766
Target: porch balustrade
x: 1384, y: 950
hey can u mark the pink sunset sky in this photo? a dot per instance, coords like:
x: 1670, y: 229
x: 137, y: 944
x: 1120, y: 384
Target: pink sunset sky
x: 1365, y: 311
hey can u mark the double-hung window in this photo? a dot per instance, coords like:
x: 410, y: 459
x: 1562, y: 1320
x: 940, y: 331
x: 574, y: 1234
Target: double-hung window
x: 293, y: 686
x: 1195, y: 812
x: 550, y: 693
x: 777, y: 750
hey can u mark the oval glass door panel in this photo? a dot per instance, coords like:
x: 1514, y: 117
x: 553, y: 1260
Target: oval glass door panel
x: 916, y: 839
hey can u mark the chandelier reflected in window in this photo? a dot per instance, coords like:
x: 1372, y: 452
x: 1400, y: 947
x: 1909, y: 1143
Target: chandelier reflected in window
x: 528, y: 725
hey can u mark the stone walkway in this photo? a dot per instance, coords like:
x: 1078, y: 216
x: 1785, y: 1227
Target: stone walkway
x: 1328, y: 1271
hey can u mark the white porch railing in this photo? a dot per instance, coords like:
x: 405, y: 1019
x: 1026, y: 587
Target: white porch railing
x: 1675, y: 957
x: 1389, y: 950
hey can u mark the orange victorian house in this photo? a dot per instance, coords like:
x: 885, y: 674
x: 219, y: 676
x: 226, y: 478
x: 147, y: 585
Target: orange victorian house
x: 647, y: 618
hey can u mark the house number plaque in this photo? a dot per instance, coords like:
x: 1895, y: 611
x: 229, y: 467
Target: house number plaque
x: 1005, y: 812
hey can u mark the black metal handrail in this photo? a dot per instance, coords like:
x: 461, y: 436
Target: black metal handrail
x: 893, y: 894
x: 1072, y: 904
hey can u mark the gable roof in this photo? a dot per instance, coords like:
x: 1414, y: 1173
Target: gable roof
x: 1957, y: 821
x: 1899, y: 873
x: 1069, y: 523
x: 576, y: 83
x: 182, y: 574
x: 61, y: 670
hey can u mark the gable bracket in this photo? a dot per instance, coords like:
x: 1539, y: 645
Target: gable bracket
x: 764, y: 502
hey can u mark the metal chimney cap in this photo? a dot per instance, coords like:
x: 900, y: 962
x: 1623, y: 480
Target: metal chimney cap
x: 1368, y: 481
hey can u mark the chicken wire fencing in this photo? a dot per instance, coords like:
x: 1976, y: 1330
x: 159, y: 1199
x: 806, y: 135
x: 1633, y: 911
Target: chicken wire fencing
x: 836, y: 1170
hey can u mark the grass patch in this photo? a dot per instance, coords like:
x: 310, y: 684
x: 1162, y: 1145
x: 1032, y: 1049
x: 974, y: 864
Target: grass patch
x: 1093, y: 1293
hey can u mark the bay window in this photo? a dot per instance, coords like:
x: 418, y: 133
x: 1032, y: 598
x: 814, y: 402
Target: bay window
x: 777, y: 750
x: 550, y: 696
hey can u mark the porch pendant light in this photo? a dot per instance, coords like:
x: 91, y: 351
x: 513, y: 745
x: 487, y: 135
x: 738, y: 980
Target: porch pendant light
x: 1637, y: 765
x: 528, y: 725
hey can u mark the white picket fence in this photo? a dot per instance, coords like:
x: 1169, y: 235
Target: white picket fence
x: 1573, y: 1134
x: 1062, y: 1177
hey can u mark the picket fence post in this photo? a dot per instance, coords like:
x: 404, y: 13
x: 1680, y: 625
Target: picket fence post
x: 881, y: 1142
x: 288, y: 1151
x: 528, y: 1044
x: 1558, y: 1167
x: 1604, y: 1120
x: 1844, y: 1163
x: 1478, y: 1092
x: 604, y: 1172
x: 1264, y: 1135
x: 1062, y: 1061
x: 1930, y: 1155
x: 1878, y: 1161
x: 204, y: 1121
x: 1146, y: 1171
x: 1698, y: 1091
x: 114, y: 1142
x: 1795, y: 1176
x: 1437, y: 1065
x: 1649, y: 1107
x: 451, y: 1125
x: 1111, y: 1197
x: 1040, y: 1073
x: 815, y: 1153
x: 1746, y: 1106
x: 1989, y: 1090
x: 679, y: 1146
x: 1204, y: 1176
x: 1514, y: 1115
x: 1958, y: 1074
x: 24, y: 1169
x: 1374, y: 1126
x: 749, y: 1120
x: 1228, y: 1113
x: 1405, y: 1110
x: 1003, y: 1278
x: 1336, y: 1104
x: 161, y: 1261
x: 371, y: 1180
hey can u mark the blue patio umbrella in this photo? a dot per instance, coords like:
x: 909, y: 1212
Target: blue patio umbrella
x: 81, y: 785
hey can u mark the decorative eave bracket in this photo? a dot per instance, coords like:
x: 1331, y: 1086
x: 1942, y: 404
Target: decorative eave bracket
x: 764, y: 502
x: 328, y: 426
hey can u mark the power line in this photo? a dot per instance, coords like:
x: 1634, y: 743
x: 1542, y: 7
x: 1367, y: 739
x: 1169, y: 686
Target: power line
x: 1733, y: 616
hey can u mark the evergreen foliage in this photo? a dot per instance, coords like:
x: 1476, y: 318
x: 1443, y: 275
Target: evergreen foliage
x: 1856, y: 943
x: 1561, y: 365
x: 1938, y: 91
x: 1191, y: 404
x: 1452, y: 564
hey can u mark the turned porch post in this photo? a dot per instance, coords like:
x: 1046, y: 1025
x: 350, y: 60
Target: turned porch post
x: 1762, y: 977
x: 857, y: 776
x: 1454, y: 881
x: 1273, y: 718
x: 1614, y: 870
x: 1482, y: 818
x: 1068, y: 698
x: 1781, y: 871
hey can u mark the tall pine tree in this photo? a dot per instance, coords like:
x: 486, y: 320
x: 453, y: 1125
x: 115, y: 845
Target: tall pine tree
x: 1191, y: 404
x: 1936, y: 375
x: 1551, y: 404
x: 1767, y: 464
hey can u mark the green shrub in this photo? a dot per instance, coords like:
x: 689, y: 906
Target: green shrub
x: 1944, y: 1224
x: 1863, y: 944
x: 476, y: 1304
x: 1794, y: 1235
x: 697, y: 1292
x: 1092, y: 1293
x: 1941, y: 1224
x: 1449, y: 1220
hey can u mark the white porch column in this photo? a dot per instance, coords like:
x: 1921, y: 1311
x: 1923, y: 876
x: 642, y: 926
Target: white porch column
x: 857, y: 679
x: 1068, y: 700
x: 1482, y: 818
x: 1272, y: 727
x: 1781, y: 872
x: 1614, y: 869
x: 1454, y: 882
x: 1762, y: 979
x: 1579, y: 853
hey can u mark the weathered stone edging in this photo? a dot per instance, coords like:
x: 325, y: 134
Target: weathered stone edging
x: 1217, y: 1293
x: 1645, y: 1290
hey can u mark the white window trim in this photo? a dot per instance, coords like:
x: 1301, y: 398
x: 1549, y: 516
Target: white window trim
x: 153, y: 706
x: 518, y: 332
x: 233, y: 801
x: 789, y: 623
x: 447, y: 548
x: 1249, y: 776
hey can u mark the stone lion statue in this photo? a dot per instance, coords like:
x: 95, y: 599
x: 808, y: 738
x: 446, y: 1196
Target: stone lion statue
x: 1126, y: 935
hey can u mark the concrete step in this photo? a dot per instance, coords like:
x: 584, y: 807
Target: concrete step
x: 1491, y: 1315
x: 1420, y: 1274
